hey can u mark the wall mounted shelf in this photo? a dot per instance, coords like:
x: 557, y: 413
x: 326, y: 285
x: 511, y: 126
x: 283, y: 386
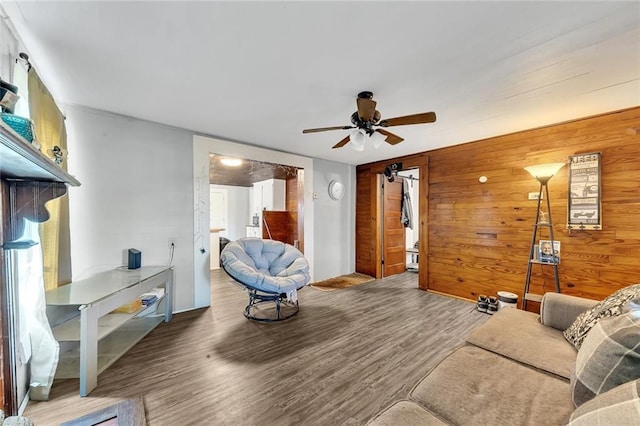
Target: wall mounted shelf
x: 31, y: 180
x: 21, y: 160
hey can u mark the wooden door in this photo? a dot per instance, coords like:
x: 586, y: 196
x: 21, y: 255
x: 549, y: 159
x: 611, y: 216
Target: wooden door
x: 218, y: 208
x: 393, y: 232
x: 368, y: 232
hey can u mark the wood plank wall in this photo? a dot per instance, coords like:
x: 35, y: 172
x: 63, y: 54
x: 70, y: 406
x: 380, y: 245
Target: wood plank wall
x: 301, y: 210
x: 292, y: 207
x: 479, y: 234
x: 276, y: 226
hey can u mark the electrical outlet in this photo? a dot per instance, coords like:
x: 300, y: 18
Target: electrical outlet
x: 172, y: 242
x: 534, y: 195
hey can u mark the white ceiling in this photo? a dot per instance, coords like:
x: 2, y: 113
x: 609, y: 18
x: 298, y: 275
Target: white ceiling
x: 260, y: 72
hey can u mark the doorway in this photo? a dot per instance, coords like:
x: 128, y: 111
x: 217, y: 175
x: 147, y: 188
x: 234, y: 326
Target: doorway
x: 411, y: 181
x: 400, y: 211
x: 369, y: 214
x: 252, y: 198
x: 203, y: 147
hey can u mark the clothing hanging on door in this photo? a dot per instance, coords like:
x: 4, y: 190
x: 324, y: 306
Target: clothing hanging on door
x: 407, y: 214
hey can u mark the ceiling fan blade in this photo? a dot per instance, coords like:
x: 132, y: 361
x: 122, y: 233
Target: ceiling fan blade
x: 366, y: 108
x: 391, y: 138
x: 342, y: 143
x: 425, y: 117
x: 323, y: 129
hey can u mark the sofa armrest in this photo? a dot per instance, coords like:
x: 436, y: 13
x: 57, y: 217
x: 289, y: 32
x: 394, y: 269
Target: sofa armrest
x: 559, y: 311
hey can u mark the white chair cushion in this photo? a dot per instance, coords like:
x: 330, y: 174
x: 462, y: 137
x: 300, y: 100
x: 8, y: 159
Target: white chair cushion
x: 266, y: 265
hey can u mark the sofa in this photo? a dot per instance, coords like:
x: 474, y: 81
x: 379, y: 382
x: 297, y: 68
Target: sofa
x: 514, y: 369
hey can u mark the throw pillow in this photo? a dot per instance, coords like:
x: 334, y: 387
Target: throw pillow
x: 609, y: 357
x: 619, y: 406
x: 609, y: 307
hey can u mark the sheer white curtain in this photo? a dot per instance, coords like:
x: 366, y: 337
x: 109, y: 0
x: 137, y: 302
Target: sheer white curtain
x: 35, y: 341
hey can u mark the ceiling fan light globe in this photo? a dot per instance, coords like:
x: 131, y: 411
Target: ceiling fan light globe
x: 356, y: 140
x: 356, y: 146
x: 377, y: 139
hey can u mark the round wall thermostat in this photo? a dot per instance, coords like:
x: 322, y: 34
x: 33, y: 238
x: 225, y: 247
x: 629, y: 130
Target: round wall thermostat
x: 336, y: 190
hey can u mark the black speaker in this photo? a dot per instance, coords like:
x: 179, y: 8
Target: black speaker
x: 135, y: 258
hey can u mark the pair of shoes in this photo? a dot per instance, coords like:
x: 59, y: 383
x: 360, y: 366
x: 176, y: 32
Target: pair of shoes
x: 492, y: 307
x: 482, y: 304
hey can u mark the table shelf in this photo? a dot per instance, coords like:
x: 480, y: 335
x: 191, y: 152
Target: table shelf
x: 69, y: 331
x: 91, y: 335
x: 538, y: 262
x: 110, y: 348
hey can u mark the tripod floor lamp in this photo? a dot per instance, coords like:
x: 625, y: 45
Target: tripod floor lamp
x: 543, y: 173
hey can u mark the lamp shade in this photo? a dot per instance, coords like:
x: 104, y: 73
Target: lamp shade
x: 544, y: 171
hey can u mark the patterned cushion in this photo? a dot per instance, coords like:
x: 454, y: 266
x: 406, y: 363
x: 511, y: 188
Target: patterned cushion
x: 619, y: 406
x: 609, y: 307
x: 609, y: 356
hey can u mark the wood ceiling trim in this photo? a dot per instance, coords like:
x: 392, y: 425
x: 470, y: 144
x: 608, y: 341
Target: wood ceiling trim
x: 248, y: 173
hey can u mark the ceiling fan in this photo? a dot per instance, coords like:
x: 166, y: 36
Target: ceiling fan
x: 366, y: 118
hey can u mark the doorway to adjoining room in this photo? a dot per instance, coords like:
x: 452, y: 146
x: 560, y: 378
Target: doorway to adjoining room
x: 399, y: 231
x: 252, y: 198
x: 411, y: 182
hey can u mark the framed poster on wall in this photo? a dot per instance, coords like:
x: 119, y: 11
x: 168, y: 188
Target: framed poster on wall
x: 584, y: 206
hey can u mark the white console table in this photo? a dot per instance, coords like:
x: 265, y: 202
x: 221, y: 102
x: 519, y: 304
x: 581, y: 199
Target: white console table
x: 91, y: 343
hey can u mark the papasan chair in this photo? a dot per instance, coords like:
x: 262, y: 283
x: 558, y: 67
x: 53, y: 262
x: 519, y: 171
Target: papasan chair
x: 271, y: 271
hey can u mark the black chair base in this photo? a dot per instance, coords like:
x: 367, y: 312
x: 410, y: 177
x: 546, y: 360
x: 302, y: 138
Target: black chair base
x: 269, y: 307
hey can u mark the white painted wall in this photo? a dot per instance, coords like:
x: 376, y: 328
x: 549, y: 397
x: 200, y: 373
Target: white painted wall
x: 144, y: 183
x: 334, y: 220
x: 239, y: 214
x: 136, y: 191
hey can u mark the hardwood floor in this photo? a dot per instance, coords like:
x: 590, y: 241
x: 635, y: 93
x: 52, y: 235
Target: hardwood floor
x: 344, y: 357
